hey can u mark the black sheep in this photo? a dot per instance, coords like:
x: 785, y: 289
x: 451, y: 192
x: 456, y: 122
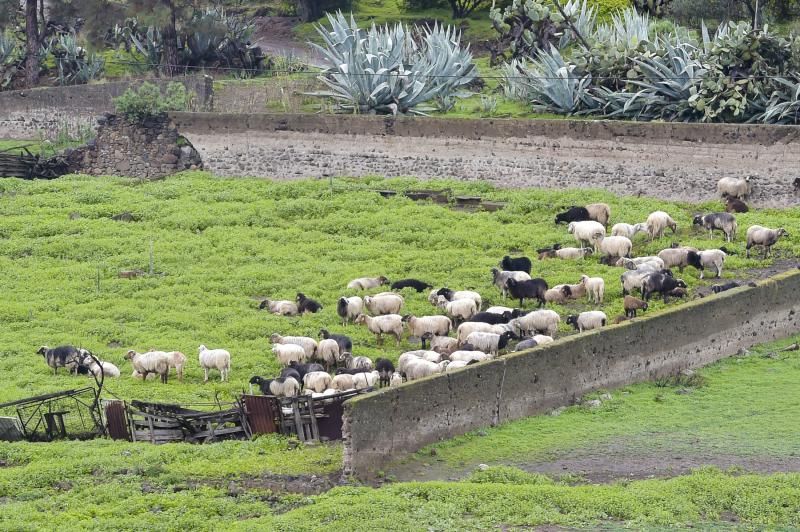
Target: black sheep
x: 416, y: 284
x: 573, y: 214
x: 267, y: 388
x: 63, y: 356
x: 502, y: 343
x: 659, y: 282
x: 290, y: 372
x: 491, y: 318
x: 733, y: 204
x: 385, y: 369
x: 530, y: 289
x: 717, y: 288
x: 302, y: 369
x: 345, y: 343
x: 305, y: 304
x: 520, y: 264
x: 797, y: 184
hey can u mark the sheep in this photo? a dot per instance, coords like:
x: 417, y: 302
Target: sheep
x: 64, y: 356
x: 489, y: 342
x: 657, y: 222
x: 380, y: 325
x: 519, y: 264
x: 558, y: 294
x: 342, y: 382
x: 468, y: 327
x: 396, y: 380
x: 595, y: 287
x: 584, y: 232
x: 218, y: 359
x: 351, y: 362
x: 282, y: 307
x: 344, y: 342
x: 469, y: 356
x: 499, y: 279
x: 317, y: 381
x: 459, y: 309
x: 302, y: 369
x: 736, y: 187
x: 280, y: 387
x: 416, y: 284
x: 349, y: 307
x: 327, y: 352
x: 573, y: 253
x: 419, y: 368
x: 366, y: 283
x: 305, y: 304
x: 573, y: 214
x: 443, y: 345
x: 177, y: 360
x: 385, y: 370
x: 735, y: 205
x: 763, y: 236
x: 723, y: 221
x: 291, y: 372
x: 309, y: 345
x: 621, y: 318
x: 586, y: 321
x: 542, y: 321
x: 632, y: 280
x: 632, y: 304
x: 492, y: 318
x: 428, y: 325
x: 528, y: 343
x: 633, y: 264
x: 150, y: 362
x: 532, y: 289
x: 628, y: 230
x: 796, y: 184
x: 717, y: 288
x: 365, y: 380
x: 496, y: 309
x: 599, y: 212
x: 707, y: 259
x: 384, y: 304
x: 660, y: 282
x: 673, y: 257
x: 613, y: 246
x: 98, y: 367
x: 453, y: 295
x: 454, y: 365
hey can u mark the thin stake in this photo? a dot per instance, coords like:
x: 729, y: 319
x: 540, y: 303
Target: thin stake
x: 151, y: 257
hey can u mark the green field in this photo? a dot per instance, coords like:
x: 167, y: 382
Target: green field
x: 221, y: 244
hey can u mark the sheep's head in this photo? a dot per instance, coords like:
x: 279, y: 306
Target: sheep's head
x: 383, y: 280
x: 441, y: 302
x: 680, y: 283
x: 256, y: 380
x: 300, y: 297
x: 584, y: 279
x: 407, y: 317
x: 566, y: 291
x: 782, y: 232
x: 698, y: 219
x: 796, y: 184
x: 42, y: 350
x: 361, y: 318
x: 587, y: 251
x: 130, y: 354
x: 571, y: 227
x: 264, y: 304
x: 673, y: 226
x: 572, y: 319
x: 201, y: 348
x: 511, y: 282
x: 495, y: 273
x: 275, y: 338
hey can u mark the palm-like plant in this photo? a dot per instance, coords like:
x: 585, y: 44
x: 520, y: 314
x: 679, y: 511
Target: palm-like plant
x: 784, y: 104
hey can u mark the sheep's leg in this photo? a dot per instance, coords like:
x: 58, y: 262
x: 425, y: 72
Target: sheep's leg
x: 397, y: 338
x: 205, y: 374
x: 719, y: 271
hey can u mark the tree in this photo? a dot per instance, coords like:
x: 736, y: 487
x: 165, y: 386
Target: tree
x: 32, y: 43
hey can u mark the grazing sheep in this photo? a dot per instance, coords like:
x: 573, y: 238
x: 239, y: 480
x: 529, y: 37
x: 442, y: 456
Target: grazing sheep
x: 595, y: 288
x: 282, y: 307
x: 380, y: 325
x: 416, y: 284
x: 288, y: 353
x: 444, y: 345
x: 302, y: 369
x: 64, y: 356
x: 396, y: 380
x: 558, y: 294
x: 600, y: 212
x: 660, y: 282
x: 736, y: 187
x: 342, y: 382
x: 365, y: 380
x: 573, y: 253
x: 539, y: 321
x: 366, y: 283
x: 309, y: 345
x: 458, y: 309
x: 678, y: 292
x: 150, y: 362
x: 385, y: 370
x: 218, y: 359
x: 528, y: 343
x: 351, y: 362
x: 673, y: 257
x: 489, y: 342
x: 343, y: 341
x: 707, y: 259
x: 499, y: 279
x: 717, y: 288
x: 628, y: 230
x: 468, y: 327
x: 453, y: 295
x: 619, y: 319
x: 657, y: 222
x: 291, y: 372
x: 107, y: 369
x: 573, y: 214
x: 614, y: 246
x: 492, y: 317
x: 735, y: 205
x: 519, y: 264
x: 634, y: 264
x: 585, y: 232
x: 632, y: 304
x: 764, y: 237
x: 385, y: 304
x: 305, y: 304
x: 532, y: 289
x: 420, y: 368
x: 317, y: 381
x: 469, y: 356
x: 586, y: 321
x: 722, y: 221
x: 428, y: 325
x: 632, y: 279
x: 349, y: 307
x: 328, y: 352
x: 280, y: 387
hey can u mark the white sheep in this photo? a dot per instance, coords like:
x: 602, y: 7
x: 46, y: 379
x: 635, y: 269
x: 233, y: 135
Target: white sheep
x: 458, y: 309
x: 544, y: 321
x: 600, y: 212
x: 384, y: 304
x: 542, y: 339
x: 710, y: 258
x: 595, y: 288
x: 468, y: 327
x: 150, y: 362
x: 365, y: 380
x: 406, y: 357
x: 657, y: 222
x: 281, y: 387
x: 585, y: 232
x: 282, y: 307
x: 380, y: 325
x: 499, y: 310
x: 736, y: 187
x: 469, y: 356
x: 108, y: 369
x: 675, y: 257
x: 454, y: 365
x: 420, y: 368
x: 586, y: 321
x: 327, y: 352
x: 177, y: 360
x: 218, y: 359
x: 349, y: 307
x: 443, y: 344
x: 453, y: 295
x: 396, y: 380
x: 317, y: 381
x: 342, y: 382
x: 572, y: 253
x: 359, y: 362
x: 489, y: 342
x: 614, y: 246
x: 628, y: 230
x: 499, y: 278
x: 557, y: 294
x: 633, y: 264
x: 288, y: 353
x: 309, y: 345
x: 366, y: 283
x: 632, y: 279
x: 430, y: 325
x: 764, y: 237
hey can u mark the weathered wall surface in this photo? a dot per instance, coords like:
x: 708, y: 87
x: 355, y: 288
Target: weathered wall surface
x: 670, y: 161
x: 46, y: 111
x: 390, y: 423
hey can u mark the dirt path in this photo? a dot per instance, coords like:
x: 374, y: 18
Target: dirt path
x: 275, y: 36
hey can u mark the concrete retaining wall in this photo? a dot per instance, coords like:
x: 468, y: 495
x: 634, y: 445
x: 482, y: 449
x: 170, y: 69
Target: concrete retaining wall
x: 393, y: 422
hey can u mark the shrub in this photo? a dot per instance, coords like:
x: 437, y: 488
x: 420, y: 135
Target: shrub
x: 147, y: 101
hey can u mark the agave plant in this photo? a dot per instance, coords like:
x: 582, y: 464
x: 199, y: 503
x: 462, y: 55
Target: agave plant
x: 783, y: 106
x: 75, y: 65
x: 10, y: 58
x: 387, y: 70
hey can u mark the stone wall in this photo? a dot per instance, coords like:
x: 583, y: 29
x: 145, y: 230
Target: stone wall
x: 666, y: 160
x: 46, y: 111
x: 148, y: 150
x: 393, y: 422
